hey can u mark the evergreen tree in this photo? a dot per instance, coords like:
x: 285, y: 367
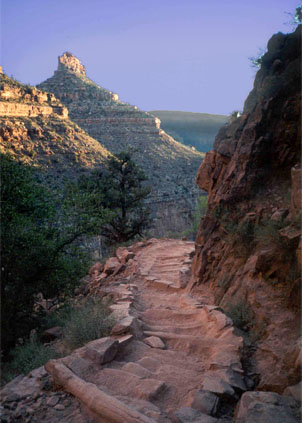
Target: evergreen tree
x: 120, y: 189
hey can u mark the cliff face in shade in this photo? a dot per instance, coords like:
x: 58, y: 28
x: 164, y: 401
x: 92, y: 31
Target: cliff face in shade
x: 247, y: 247
x: 193, y: 129
x: 170, y: 166
x: 35, y: 129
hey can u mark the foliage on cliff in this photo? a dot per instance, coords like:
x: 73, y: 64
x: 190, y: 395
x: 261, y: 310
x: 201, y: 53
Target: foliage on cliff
x: 40, y: 249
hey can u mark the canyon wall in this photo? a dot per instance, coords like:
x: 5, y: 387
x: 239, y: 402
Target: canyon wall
x: 247, y: 248
x: 35, y: 129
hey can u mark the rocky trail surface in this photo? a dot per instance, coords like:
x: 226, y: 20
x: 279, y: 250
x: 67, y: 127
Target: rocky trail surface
x: 170, y: 357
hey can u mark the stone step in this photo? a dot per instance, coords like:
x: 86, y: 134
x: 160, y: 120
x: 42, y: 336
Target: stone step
x: 175, y: 316
x: 172, y: 335
x: 162, y: 284
x: 175, y: 328
x: 107, y: 407
x: 123, y: 382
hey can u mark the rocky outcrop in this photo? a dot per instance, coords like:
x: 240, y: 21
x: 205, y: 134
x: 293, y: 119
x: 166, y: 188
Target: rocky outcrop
x: 68, y: 61
x: 21, y: 100
x: 247, y: 247
x: 169, y: 165
x: 35, y: 129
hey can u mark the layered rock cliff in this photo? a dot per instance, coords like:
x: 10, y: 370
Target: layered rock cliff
x: 35, y: 129
x: 247, y: 248
x: 170, y: 166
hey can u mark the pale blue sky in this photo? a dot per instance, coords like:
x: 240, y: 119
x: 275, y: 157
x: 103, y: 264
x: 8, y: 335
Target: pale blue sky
x: 189, y: 55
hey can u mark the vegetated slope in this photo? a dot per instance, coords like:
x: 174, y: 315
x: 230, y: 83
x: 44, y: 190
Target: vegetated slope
x: 169, y: 165
x: 35, y: 129
x: 193, y: 129
x: 247, y: 248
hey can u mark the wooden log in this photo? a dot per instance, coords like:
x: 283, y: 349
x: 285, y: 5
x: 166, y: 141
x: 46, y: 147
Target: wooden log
x: 106, y: 406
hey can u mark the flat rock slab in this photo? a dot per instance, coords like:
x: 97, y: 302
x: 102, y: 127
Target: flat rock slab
x: 266, y: 407
x: 155, y: 342
x: 137, y: 370
x: 102, y: 350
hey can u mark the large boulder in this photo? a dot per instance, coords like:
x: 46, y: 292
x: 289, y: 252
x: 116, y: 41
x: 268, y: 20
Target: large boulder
x: 266, y: 407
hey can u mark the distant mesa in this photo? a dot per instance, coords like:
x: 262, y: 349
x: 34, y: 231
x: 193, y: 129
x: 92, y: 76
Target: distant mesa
x: 72, y: 63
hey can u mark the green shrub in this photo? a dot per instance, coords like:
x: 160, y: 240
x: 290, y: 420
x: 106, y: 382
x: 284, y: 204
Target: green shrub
x: 267, y: 233
x: 27, y: 357
x: 241, y: 314
x: 199, y: 212
x: 86, y: 323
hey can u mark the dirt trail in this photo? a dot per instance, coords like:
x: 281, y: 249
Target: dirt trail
x: 193, y: 348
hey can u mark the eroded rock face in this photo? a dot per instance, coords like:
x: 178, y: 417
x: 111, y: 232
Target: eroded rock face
x: 67, y: 60
x: 247, y: 247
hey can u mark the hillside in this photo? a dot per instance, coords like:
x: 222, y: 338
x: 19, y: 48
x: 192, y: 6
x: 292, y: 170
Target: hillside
x: 248, y: 249
x: 193, y: 129
x: 169, y: 165
x: 35, y: 129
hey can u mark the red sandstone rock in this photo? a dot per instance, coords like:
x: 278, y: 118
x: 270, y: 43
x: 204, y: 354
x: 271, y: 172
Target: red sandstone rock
x: 111, y: 265
x: 248, y: 175
x: 96, y: 269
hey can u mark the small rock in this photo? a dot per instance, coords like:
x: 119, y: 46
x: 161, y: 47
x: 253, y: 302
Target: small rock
x: 66, y: 403
x: 279, y: 215
x: 120, y: 268
x: 102, y: 350
x: 217, y: 385
x: 51, y: 334
x: 111, y: 264
x: 128, y: 324
x: 155, y: 342
x: 12, y: 397
x: 187, y: 414
x: 96, y: 269
x: 204, y: 401
x: 59, y: 407
x: 124, y: 255
x: 294, y: 391
x: 184, y: 275
x: 52, y: 401
x: 124, y: 340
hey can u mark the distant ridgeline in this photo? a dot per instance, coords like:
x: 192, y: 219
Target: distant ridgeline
x: 193, y: 129
x: 170, y: 166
